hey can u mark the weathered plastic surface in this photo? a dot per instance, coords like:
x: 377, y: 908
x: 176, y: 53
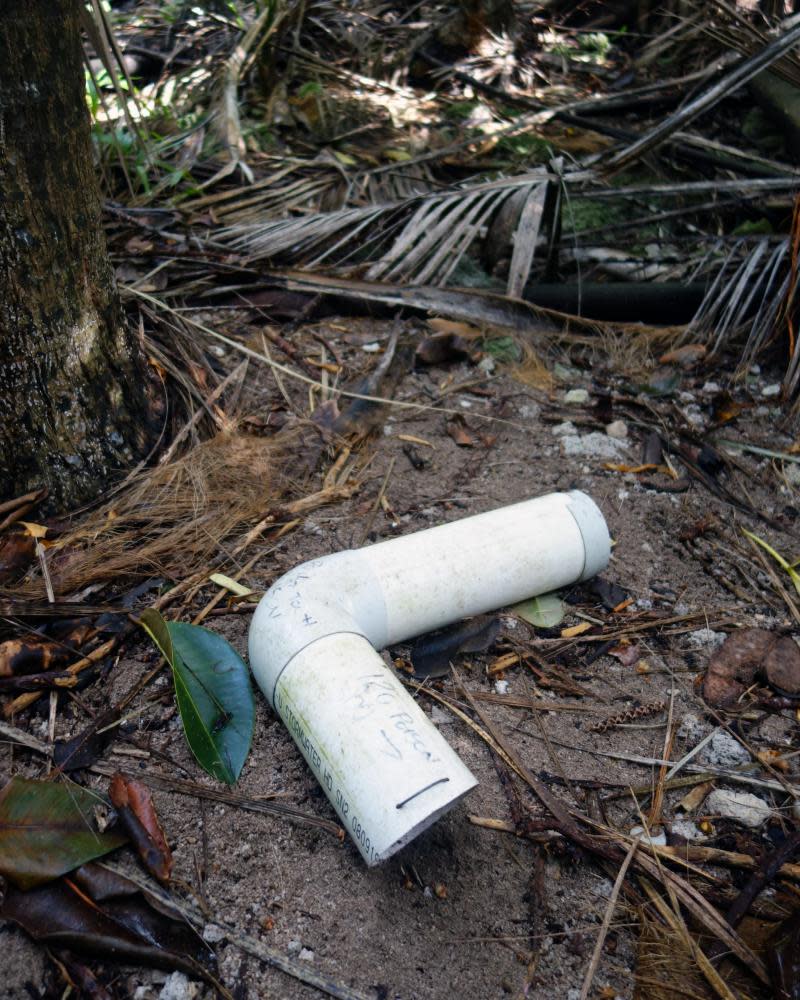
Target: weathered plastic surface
x: 385, y: 768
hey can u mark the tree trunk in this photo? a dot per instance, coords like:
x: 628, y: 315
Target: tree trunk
x: 74, y: 390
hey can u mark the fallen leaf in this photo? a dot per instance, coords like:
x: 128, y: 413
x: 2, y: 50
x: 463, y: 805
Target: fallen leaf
x: 96, y: 912
x: 17, y: 550
x: 687, y: 356
x: 455, y: 328
x: 84, y: 749
x: 745, y: 655
x: 443, y: 348
x: 137, y: 815
x: 431, y: 654
x: 457, y: 429
x: 232, y: 585
x: 573, y: 630
x: 626, y: 653
x: 609, y: 593
x: 213, y: 691
x: 47, y: 828
x: 544, y: 611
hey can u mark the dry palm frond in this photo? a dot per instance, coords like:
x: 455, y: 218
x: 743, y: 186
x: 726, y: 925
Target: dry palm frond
x: 419, y: 239
x: 170, y: 520
x: 751, y: 297
x: 743, y: 72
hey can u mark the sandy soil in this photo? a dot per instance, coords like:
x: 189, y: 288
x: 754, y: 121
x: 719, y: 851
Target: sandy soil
x: 463, y: 910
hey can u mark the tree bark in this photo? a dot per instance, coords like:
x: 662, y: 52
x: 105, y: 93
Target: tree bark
x: 74, y: 389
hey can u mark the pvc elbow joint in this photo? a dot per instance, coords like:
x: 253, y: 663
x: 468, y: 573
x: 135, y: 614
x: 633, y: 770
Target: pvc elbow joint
x: 316, y: 632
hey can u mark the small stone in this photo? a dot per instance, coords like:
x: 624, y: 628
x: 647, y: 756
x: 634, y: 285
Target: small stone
x: 755, y: 369
x: 306, y: 955
x: 294, y: 947
x: 706, y: 637
x: 712, y: 388
x: 656, y: 836
x: 371, y: 348
x: 617, y: 429
x: 594, y: 445
x: 566, y: 428
x: 771, y: 391
x: 792, y: 473
x: 439, y: 717
x: 742, y: 807
x: 213, y: 933
x: 725, y: 751
x: 692, y: 728
x: 178, y: 987
x: 686, y: 829
x: 487, y: 365
x: 501, y: 687
x: 576, y: 397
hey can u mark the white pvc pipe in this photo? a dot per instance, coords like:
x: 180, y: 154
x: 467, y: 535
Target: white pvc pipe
x: 314, y: 638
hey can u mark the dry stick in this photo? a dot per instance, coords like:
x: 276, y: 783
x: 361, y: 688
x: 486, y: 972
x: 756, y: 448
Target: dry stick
x: 741, y: 74
x: 697, y: 905
x: 672, y: 917
x: 601, y: 937
x: 658, y: 798
x: 299, y: 970
x: 259, y: 805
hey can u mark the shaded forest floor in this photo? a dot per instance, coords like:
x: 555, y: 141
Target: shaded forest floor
x: 466, y: 907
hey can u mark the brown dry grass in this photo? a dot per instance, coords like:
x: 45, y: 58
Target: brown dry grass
x: 169, y: 520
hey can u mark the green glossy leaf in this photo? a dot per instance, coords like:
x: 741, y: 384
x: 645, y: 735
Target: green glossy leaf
x: 48, y: 828
x: 544, y: 611
x: 212, y: 687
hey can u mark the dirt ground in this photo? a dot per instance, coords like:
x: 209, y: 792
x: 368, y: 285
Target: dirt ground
x: 466, y: 910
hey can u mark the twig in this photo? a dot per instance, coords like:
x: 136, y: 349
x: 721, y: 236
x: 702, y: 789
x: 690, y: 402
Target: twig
x: 601, y: 937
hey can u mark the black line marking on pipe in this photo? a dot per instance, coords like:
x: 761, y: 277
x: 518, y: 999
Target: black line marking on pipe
x: 439, y: 781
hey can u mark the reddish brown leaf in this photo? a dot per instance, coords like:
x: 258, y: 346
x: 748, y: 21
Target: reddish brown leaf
x: 136, y: 812
x: 686, y: 356
x: 17, y: 550
x: 626, y: 654
x: 96, y: 912
x: 745, y: 655
x: 457, y: 429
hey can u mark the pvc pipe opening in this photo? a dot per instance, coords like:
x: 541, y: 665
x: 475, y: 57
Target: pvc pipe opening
x: 315, y: 636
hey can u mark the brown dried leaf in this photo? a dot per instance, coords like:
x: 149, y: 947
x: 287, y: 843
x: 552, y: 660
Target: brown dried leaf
x: 94, y: 911
x: 457, y: 429
x: 627, y: 653
x: 686, y: 356
x: 136, y: 812
x: 745, y: 655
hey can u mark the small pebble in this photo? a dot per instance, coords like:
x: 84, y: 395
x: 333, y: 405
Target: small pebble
x: 306, y: 955
x: 656, y: 836
x: 703, y: 637
x: 686, y: 829
x: 617, y: 429
x: 178, y: 987
x: 213, y: 933
x: 501, y: 687
x: 293, y: 947
x: 771, y: 391
x: 576, y: 397
x: 371, y: 348
x: 743, y: 807
x: 566, y: 428
x: 725, y: 751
